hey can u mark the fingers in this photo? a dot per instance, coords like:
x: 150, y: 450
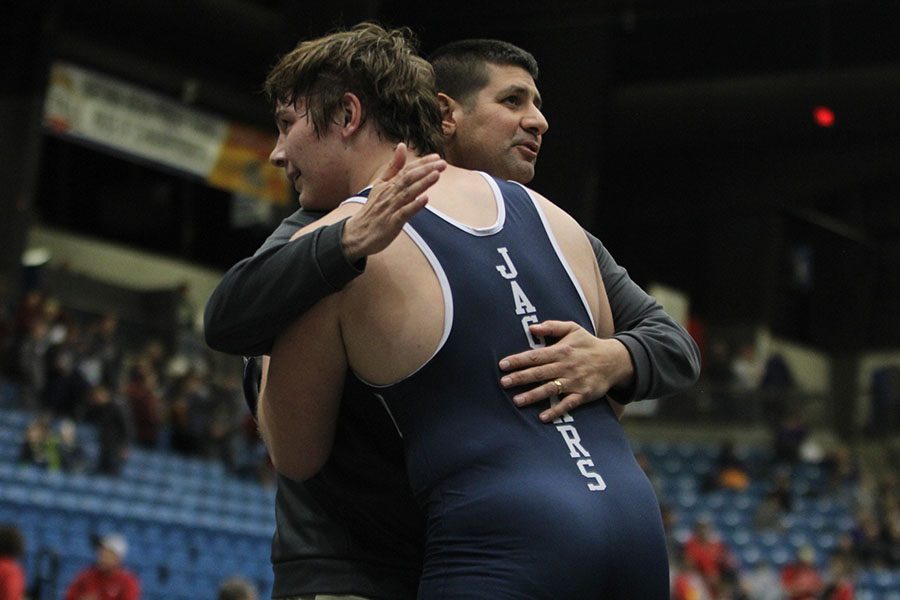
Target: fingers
x: 396, y: 163
x: 557, y: 329
x: 575, y: 360
x: 546, y: 370
x: 391, y: 203
x: 538, y: 393
x: 561, y: 408
x: 553, y: 329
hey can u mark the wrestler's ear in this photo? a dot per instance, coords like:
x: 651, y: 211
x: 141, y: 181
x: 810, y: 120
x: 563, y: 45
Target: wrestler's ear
x: 350, y: 116
x: 449, y: 110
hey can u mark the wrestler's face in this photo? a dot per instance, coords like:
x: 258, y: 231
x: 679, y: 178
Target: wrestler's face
x: 313, y: 163
x: 498, y: 129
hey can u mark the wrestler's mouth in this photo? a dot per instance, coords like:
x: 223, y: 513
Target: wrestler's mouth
x: 295, y: 180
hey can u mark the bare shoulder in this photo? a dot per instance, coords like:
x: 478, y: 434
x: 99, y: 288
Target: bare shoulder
x: 341, y: 212
x: 567, y: 230
x: 575, y: 246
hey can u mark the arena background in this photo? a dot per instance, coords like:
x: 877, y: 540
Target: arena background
x: 740, y: 158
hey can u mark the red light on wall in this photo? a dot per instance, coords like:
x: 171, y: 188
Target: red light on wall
x: 823, y: 116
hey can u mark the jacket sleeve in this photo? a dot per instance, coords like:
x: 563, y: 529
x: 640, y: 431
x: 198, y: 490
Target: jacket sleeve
x: 666, y: 359
x: 261, y: 295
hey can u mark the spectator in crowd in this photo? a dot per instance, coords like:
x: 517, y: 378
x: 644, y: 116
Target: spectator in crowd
x: 188, y: 416
x: 37, y: 447
x: 776, y: 376
x: 782, y: 491
x: 236, y: 588
x: 32, y: 362
x: 892, y: 535
x: 106, y: 579
x: 12, y: 575
x: 113, y: 431
x: 730, y: 471
x: 30, y: 309
x: 251, y: 459
x: 708, y: 552
x: 717, y: 365
x: 841, y: 465
x: 789, y: 436
x: 761, y: 582
x: 153, y: 354
x: 687, y: 581
x: 72, y: 457
x: 769, y: 513
x: 845, y: 549
x: 147, y: 406
x: 101, y: 359
x: 66, y: 387
x: 746, y: 370
x: 227, y: 412
x: 801, y: 579
x: 839, y: 579
x: 871, y: 546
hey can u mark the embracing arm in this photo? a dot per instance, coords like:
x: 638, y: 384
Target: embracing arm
x: 649, y: 355
x: 259, y: 296
x: 666, y: 359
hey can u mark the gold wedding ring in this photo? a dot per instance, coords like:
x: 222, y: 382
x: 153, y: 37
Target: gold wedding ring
x: 559, y: 386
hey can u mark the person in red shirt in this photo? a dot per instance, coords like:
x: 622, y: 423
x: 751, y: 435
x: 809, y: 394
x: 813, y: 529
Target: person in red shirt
x: 688, y: 583
x: 12, y: 576
x: 106, y: 579
x: 801, y: 579
x: 840, y: 579
x: 711, y: 556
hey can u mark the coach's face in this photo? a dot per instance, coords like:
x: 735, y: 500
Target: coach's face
x: 313, y: 163
x: 499, y: 128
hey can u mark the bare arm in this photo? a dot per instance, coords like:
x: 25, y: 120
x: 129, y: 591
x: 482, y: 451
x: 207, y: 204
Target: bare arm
x: 301, y: 391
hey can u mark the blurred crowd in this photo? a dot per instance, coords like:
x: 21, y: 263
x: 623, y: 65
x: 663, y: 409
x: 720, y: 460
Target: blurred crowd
x: 79, y: 375
x: 77, y: 370
x: 705, y: 565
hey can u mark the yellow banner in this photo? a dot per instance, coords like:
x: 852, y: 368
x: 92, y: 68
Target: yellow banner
x: 243, y: 166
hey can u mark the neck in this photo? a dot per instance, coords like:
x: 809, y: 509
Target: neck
x: 371, y: 155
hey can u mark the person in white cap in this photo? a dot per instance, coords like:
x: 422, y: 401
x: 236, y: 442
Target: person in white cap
x: 106, y: 579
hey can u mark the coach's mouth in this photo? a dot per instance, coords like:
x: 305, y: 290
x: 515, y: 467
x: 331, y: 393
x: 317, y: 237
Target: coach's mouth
x: 529, y: 149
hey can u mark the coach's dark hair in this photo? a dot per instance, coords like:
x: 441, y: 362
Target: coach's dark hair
x: 394, y: 84
x: 460, y: 68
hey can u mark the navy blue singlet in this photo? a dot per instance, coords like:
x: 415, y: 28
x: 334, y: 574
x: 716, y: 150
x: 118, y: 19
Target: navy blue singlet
x: 516, y: 508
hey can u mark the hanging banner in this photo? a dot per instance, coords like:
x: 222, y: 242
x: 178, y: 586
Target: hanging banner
x: 86, y: 105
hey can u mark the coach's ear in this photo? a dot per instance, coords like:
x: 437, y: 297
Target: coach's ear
x: 350, y: 116
x: 449, y: 108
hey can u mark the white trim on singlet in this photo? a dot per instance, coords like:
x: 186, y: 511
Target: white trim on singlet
x: 445, y: 292
x: 358, y: 198
x: 479, y: 231
x: 560, y: 255
x: 390, y: 414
